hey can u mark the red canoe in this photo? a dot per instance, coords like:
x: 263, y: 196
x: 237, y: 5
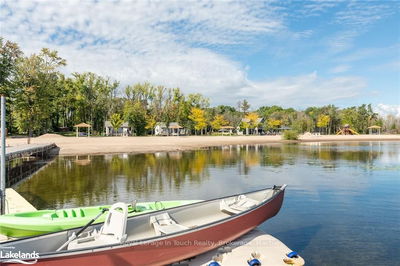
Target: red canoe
x: 156, y: 238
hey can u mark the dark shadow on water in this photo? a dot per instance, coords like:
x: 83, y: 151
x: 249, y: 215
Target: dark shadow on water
x: 35, y: 200
x: 20, y: 169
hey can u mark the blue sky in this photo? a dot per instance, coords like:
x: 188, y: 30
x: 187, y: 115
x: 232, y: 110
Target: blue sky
x: 289, y: 53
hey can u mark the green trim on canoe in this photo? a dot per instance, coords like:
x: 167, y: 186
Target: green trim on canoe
x: 46, y: 221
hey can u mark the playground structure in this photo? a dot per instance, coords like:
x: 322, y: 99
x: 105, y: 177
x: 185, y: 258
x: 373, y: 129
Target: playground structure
x: 346, y: 130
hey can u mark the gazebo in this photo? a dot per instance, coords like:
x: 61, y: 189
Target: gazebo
x: 226, y: 129
x: 84, y: 125
x: 374, y: 130
x: 175, y: 129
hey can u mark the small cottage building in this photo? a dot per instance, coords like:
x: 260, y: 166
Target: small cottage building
x: 173, y: 129
x: 123, y: 130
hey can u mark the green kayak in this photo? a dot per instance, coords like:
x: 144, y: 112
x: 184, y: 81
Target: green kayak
x: 45, y: 221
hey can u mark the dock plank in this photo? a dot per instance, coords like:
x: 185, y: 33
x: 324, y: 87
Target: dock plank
x: 16, y: 203
x: 27, y: 149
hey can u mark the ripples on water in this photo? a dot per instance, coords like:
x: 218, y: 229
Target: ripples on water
x: 342, y: 205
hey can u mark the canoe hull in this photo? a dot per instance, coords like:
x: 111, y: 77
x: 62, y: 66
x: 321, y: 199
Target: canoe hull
x: 175, y: 247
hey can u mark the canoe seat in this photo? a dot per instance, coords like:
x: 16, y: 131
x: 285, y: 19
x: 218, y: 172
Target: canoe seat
x: 112, y: 232
x: 164, y: 224
x: 237, y: 205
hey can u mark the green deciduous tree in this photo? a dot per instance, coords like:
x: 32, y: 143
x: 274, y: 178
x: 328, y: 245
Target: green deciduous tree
x: 302, y: 123
x: 359, y: 118
x: 267, y: 111
x: 116, y: 121
x: 9, y: 54
x: 35, y: 91
x: 41, y: 99
x: 91, y: 97
x: 135, y: 115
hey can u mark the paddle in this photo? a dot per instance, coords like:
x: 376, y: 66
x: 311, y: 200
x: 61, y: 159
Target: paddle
x: 74, y: 236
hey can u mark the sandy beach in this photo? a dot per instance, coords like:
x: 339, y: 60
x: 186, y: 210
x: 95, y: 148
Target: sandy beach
x: 101, y: 145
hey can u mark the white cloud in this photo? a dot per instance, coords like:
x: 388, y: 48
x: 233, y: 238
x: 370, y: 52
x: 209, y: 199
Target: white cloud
x: 340, y: 69
x: 362, y: 13
x: 369, y: 53
x: 302, y: 91
x: 172, y: 43
x: 385, y: 109
x: 164, y: 42
x: 316, y: 8
x: 342, y: 41
x: 355, y: 18
x: 388, y: 66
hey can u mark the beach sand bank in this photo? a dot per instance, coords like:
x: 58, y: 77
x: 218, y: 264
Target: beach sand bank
x: 101, y: 145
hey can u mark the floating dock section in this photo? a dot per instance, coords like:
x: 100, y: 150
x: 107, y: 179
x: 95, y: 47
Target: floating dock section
x: 24, y: 160
x: 268, y: 250
x: 28, y: 150
x: 16, y: 203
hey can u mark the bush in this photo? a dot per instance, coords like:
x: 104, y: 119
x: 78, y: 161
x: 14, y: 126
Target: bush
x: 291, y: 135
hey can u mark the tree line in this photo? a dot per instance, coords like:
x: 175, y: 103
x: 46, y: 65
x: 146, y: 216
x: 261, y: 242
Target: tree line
x: 41, y: 99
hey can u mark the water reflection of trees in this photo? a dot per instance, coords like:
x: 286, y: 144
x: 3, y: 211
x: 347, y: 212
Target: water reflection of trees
x: 333, y: 153
x: 88, y: 180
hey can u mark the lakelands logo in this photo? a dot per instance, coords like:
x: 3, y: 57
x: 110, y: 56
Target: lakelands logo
x: 8, y: 255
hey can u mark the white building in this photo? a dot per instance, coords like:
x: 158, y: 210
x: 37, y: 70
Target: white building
x: 174, y: 129
x: 123, y: 130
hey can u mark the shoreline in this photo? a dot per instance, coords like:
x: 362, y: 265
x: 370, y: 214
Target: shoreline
x: 151, y: 144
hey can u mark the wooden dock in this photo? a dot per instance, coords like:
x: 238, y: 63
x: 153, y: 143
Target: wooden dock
x: 16, y: 203
x: 24, y: 160
x: 28, y: 150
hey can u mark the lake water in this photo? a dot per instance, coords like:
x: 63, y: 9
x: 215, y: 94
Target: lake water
x: 341, y: 207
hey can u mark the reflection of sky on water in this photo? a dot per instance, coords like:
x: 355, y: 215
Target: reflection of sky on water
x: 342, y: 205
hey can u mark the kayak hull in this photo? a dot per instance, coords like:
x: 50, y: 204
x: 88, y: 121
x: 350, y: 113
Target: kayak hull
x: 47, y: 221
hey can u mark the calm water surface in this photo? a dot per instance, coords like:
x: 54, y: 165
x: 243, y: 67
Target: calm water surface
x: 342, y: 204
